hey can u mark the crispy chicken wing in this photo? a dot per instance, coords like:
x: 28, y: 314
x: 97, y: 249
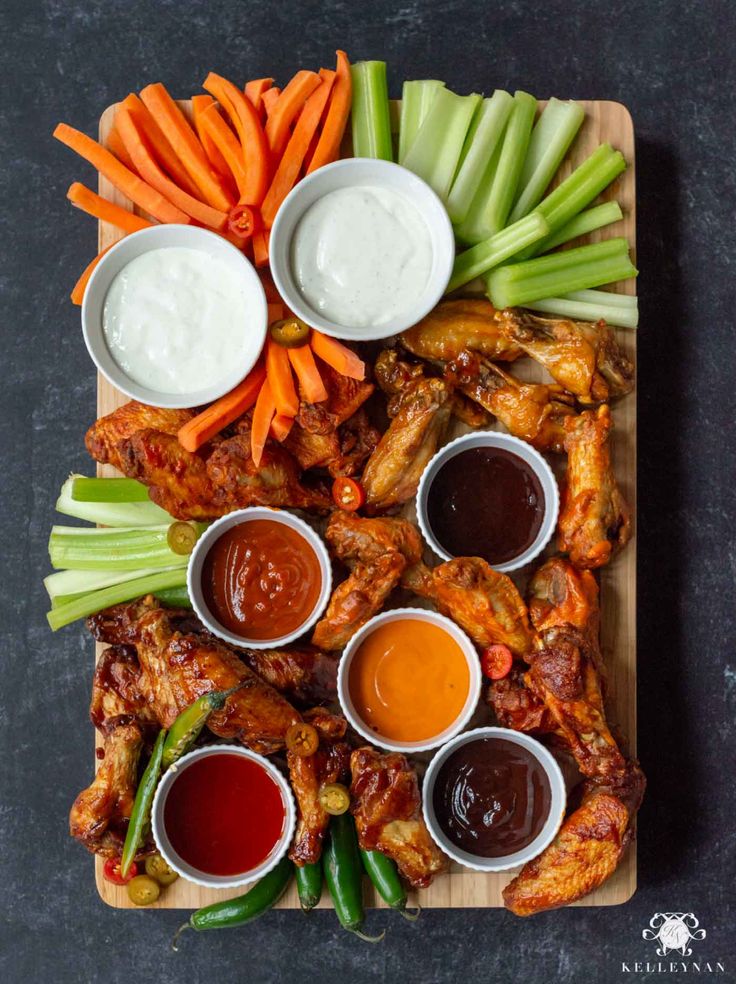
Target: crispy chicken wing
x: 594, y: 518
x: 105, y: 435
x: 456, y: 325
x: 560, y: 594
x: 392, y: 473
x: 355, y: 539
x: 515, y: 706
x: 388, y: 816
x: 177, y: 480
x: 342, y: 449
x: 483, y: 601
x: 305, y: 674
x: 330, y: 763
x: 580, y: 355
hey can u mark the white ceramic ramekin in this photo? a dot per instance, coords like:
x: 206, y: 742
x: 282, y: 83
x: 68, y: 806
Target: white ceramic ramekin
x: 352, y: 172
x: 493, y: 439
x: 545, y: 835
x: 203, y: 878
x: 455, y: 633
x: 194, y: 573
x: 160, y: 237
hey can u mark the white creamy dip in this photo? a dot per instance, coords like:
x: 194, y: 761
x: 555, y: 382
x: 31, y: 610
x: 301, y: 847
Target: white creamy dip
x: 362, y: 256
x: 176, y: 319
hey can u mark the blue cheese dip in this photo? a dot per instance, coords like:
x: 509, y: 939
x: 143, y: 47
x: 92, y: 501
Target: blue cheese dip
x: 176, y: 319
x: 362, y: 256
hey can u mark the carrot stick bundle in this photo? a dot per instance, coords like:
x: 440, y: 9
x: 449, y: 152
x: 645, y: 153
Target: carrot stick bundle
x: 163, y: 152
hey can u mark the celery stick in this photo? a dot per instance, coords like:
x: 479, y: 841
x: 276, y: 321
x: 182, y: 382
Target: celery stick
x: 583, y: 223
x: 174, y: 597
x: 483, y: 137
x: 72, y: 584
x: 416, y: 98
x: 437, y: 147
x: 511, y: 161
x: 108, y: 489
x: 574, y: 306
x: 474, y: 228
x: 370, y: 111
x: 560, y: 273
x: 125, y: 549
x: 606, y: 297
x: 96, y: 601
x: 556, y: 129
x: 109, y: 513
x: 481, y: 258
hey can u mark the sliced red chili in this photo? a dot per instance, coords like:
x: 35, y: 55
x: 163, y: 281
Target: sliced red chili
x: 496, y: 661
x: 112, y: 873
x: 243, y: 221
x: 348, y: 494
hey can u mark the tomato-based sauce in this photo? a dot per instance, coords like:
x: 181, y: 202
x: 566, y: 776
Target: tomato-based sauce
x: 224, y: 814
x: 261, y: 579
x: 486, y: 502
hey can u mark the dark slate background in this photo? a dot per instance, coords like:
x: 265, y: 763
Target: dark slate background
x: 672, y: 64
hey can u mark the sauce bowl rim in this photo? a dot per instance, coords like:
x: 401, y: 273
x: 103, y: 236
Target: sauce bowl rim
x: 474, y: 686
x: 490, y: 438
x: 196, y: 875
x: 235, y: 518
x: 558, y: 801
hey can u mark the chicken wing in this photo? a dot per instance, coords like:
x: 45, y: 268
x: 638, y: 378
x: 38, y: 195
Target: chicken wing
x: 330, y: 763
x: 355, y: 539
x: 594, y: 518
x: 483, y: 601
x: 516, y: 707
x: 456, y: 325
x: 560, y: 594
x: 105, y: 436
x: 387, y: 810
x: 582, y: 356
x: 177, y: 480
x: 304, y: 675
x: 392, y: 473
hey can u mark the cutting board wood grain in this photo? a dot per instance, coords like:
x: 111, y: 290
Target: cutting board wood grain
x: 461, y: 888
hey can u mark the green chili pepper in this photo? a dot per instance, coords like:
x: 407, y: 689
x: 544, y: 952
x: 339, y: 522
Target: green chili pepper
x: 384, y: 875
x: 174, y: 597
x: 188, y: 725
x: 309, y: 885
x: 344, y: 874
x: 244, y: 908
x: 141, y: 812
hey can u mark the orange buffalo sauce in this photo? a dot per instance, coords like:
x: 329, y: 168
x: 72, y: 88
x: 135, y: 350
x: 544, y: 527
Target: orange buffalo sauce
x: 408, y: 680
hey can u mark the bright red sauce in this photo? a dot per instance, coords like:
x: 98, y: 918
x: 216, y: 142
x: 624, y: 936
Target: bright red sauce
x: 224, y: 814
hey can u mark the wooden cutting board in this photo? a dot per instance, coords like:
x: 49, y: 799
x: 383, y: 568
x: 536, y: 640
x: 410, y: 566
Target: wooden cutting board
x: 461, y: 888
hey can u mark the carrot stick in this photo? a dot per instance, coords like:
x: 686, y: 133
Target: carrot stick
x: 272, y: 295
x: 254, y: 91
x: 129, y: 184
x: 93, y: 204
x: 140, y: 151
x: 311, y: 386
x: 281, y: 426
x: 187, y: 148
x: 270, y: 98
x: 116, y: 146
x: 79, y: 288
x: 226, y: 142
x: 290, y: 165
x: 260, y: 247
x: 162, y: 151
x: 341, y: 358
x: 286, y: 108
x: 263, y: 414
x: 275, y: 311
x: 222, y: 412
x: 218, y: 162
x: 328, y: 148
x: 281, y: 381
x: 247, y: 123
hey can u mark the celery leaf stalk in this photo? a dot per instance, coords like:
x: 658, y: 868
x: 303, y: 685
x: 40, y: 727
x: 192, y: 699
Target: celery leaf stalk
x: 371, y: 120
x: 510, y: 161
x: 591, y: 305
x: 583, y: 223
x: 506, y: 243
x: 474, y: 228
x: 123, y: 549
x: 85, y: 489
x: 109, y: 513
x: 71, y: 584
x: 96, y: 601
x: 480, y: 144
x: 416, y: 99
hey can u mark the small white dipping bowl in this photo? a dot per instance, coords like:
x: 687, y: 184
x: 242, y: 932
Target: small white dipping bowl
x: 203, y: 878
x: 220, y: 526
x: 545, y: 836
x: 400, y: 615
x: 354, y: 172
x: 161, y: 237
x: 493, y: 439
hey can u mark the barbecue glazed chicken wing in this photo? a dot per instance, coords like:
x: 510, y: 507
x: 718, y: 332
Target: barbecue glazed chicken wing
x: 105, y: 436
x: 388, y: 815
x: 454, y: 326
x: 483, y: 601
x: 581, y: 356
x: 594, y: 518
x: 304, y: 675
x: 177, y: 480
x: 377, y: 551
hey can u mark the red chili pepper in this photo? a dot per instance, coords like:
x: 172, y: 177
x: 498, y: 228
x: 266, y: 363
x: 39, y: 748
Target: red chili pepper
x: 348, y: 494
x: 243, y: 221
x: 111, y: 871
x: 496, y: 661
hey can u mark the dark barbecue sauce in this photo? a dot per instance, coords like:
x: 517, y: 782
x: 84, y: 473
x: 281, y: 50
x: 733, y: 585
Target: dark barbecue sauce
x: 491, y: 797
x: 485, y: 502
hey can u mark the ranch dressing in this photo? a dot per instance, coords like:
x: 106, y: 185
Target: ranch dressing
x: 176, y: 319
x: 362, y: 256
